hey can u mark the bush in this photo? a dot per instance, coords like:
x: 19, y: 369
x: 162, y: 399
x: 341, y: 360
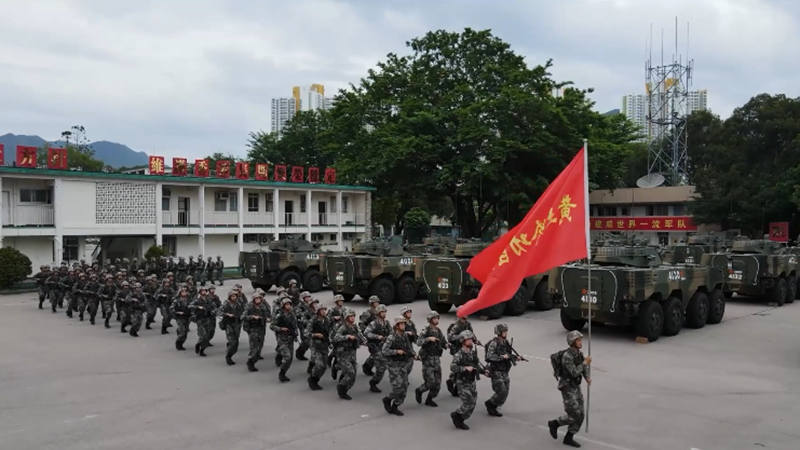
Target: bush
x: 155, y: 252
x: 14, y: 267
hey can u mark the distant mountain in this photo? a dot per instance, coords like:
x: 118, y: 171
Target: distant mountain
x: 612, y: 112
x: 111, y: 153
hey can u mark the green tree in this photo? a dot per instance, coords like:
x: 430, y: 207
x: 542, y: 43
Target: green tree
x: 80, y: 154
x: 154, y: 251
x: 14, y: 267
x: 303, y: 142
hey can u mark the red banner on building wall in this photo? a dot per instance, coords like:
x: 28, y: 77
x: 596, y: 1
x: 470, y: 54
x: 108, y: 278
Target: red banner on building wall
x: 2, y: 154
x: 223, y: 169
x: 180, y: 166
x: 313, y: 175
x: 201, y: 168
x: 262, y: 171
x: 330, y: 176
x: 779, y: 231
x: 57, y: 158
x: 649, y: 223
x: 26, y: 156
x: 243, y: 171
x: 297, y: 174
x: 280, y: 173
x: 156, y: 165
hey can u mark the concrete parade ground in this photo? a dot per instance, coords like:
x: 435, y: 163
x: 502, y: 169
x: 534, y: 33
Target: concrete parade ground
x: 68, y: 385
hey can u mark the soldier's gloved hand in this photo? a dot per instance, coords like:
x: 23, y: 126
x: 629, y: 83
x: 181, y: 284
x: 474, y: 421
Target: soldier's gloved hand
x: 351, y: 337
x: 432, y: 339
x: 505, y: 356
x: 401, y: 352
x: 469, y: 368
x: 587, y: 361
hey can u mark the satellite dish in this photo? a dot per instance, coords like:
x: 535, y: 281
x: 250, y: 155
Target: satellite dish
x: 651, y: 180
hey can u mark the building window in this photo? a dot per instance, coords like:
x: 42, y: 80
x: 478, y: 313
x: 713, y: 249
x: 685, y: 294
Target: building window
x: 70, y: 249
x: 677, y: 210
x: 165, y: 203
x: 252, y: 202
x: 624, y: 211
x: 170, y: 244
x: 42, y: 196
x: 344, y: 204
x: 250, y: 238
x: 663, y: 238
x: 333, y: 237
x: 303, y: 203
x: 657, y: 210
x: 609, y: 211
x: 268, y: 204
x: 233, y: 202
x: 220, y: 201
x: 333, y: 204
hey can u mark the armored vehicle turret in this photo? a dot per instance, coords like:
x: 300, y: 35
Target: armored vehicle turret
x: 764, y: 269
x: 626, y: 256
x: 286, y: 260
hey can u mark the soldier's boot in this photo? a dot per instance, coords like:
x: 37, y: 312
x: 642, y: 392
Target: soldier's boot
x: 330, y: 359
x: 91, y: 320
x: 569, y: 440
x: 300, y: 354
x: 313, y: 383
x: 251, y: 365
x: 334, y: 371
x: 458, y: 421
x: 395, y: 410
x: 229, y: 360
x: 418, y: 395
x: 118, y: 317
x: 259, y: 358
x: 40, y: 304
x: 429, y: 401
x: 133, y: 333
x: 203, y: 350
x: 367, y: 369
x: 197, y: 348
x: 80, y: 317
x: 310, y: 367
x: 342, y: 391
x: 282, y: 376
x: 147, y: 325
x: 387, y: 404
x: 278, y: 360
x: 69, y: 313
x: 553, y: 426
x: 123, y: 328
x: 451, y: 387
x: 373, y: 387
x: 491, y: 408
x: 54, y: 308
x: 169, y: 325
x: 164, y: 330
x: 105, y: 322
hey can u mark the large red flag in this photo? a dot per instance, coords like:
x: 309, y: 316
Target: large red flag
x: 554, y: 232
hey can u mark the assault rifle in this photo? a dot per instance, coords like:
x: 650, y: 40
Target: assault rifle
x: 515, y: 353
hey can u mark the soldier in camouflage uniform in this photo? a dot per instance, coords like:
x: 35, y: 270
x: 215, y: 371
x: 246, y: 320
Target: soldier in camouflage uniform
x: 179, y: 309
x: 219, y: 267
x: 500, y: 358
x: 467, y: 368
x: 432, y: 343
x: 161, y: 301
x: 91, y: 297
x: 574, y: 367
x: 285, y: 326
x: 347, y: 339
x: 318, y: 333
x: 231, y: 323
x: 376, y: 334
x: 65, y: 287
x: 191, y: 267
x: 204, y: 312
x: 123, y: 308
x: 107, y: 293
x: 150, y: 288
x: 200, y: 270
x: 411, y: 332
x: 304, y: 314
x: 80, y: 293
x: 336, y: 318
x: 397, y: 349
x: 453, y: 337
x: 41, y: 284
x: 135, y: 305
x: 181, y: 269
x: 212, y: 295
x: 254, y: 321
x: 210, y: 270
x: 294, y: 292
x: 364, y: 320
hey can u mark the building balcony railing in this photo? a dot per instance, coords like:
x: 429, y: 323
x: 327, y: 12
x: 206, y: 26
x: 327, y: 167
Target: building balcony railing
x: 259, y: 219
x: 222, y: 219
x: 180, y: 218
x: 30, y: 216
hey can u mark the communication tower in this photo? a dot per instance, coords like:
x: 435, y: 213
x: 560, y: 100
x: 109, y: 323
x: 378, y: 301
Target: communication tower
x: 667, y: 90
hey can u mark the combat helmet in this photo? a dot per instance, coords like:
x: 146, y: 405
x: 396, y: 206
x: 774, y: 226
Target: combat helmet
x: 466, y: 334
x: 285, y: 301
x: 573, y: 336
x: 500, y: 328
x: 349, y: 313
x: 374, y: 299
x: 400, y: 319
x: 380, y: 308
x: 432, y: 315
x: 338, y: 298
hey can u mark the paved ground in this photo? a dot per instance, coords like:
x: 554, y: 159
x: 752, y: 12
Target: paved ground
x: 67, y: 385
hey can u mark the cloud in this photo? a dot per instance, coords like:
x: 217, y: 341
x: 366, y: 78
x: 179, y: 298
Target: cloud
x: 191, y: 78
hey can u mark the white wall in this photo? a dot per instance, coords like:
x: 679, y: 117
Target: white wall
x: 191, y: 192
x: 79, y: 212
x: 16, y: 208
x: 221, y: 245
x: 189, y: 246
x: 38, y: 249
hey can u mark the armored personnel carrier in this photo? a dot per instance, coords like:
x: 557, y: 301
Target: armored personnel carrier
x: 631, y: 286
x: 764, y: 269
x: 381, y: 268
x: 286, y: 260
x: 449, y: 284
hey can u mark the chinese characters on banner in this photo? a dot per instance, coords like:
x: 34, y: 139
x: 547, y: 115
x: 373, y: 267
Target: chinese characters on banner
x: 779, y: 231
x: 57, y: 158
x: 201, y: 168
x: 26, y: 156
x: 280, y: 173
x: 223, y: 169
x: 242, y: 171
x: 330, y: 176
x: 156, y: 165
x: 179, y: 167
x: 313, y: 175
x: 297, y: 174
x: 648, y: 223
x: 262, y: 172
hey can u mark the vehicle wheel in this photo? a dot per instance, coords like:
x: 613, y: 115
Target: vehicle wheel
x: 384, y: 289
x: 286, y: 277
x: 728, y: 294
x: 571, y: 324
x: 791, y: 289
x: 777, y: 293
x: 518, y: 304
x: 697, y: 310
x: 542, y: 300
x: 650, y: 321
x: 405, y: 290
x: 716, y: 307
x: 797, y: 290
x: 493, y: 312
x: 347, y: 297
x: 312, y: 280
x: 673, y: 316
x: 441, y: 308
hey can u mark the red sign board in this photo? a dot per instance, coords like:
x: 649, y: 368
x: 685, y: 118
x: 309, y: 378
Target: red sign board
x: 648, y: 223
x: 779, y: 231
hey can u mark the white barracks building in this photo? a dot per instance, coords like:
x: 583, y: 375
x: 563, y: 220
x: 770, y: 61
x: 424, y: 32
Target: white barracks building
x: 55, y: 215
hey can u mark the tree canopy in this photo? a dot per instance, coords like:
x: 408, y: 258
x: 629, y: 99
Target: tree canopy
x: 79, y: 151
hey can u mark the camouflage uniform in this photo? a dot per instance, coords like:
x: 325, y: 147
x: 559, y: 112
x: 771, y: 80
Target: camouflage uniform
x: 411, y: 332
x: 318, y: 334
x: 161, y: 301
x: 219, y: 267
x: 366, y: 318
x: 123, y: 309
x: 254, y: 321
x: 107, y: 293
x: 453, y: 335
x: 499, y: 358
x: 200, y: 270
x: 210, y: 269
x: 285, y: 325
x: 397, y: 350
x: 574, y: 367
x: 336, y: 318
x: 231, y: 312
x: 466, y: 366
x: 376, y: 334
x: 67, y: 286
x: 135, y: 305
x: 304, y: 315
x: 294, y: 292
x: 182, y: 269
x: 41, y: 286
x: 179, y: 309
x: 430, y: 353
x: 91, y: 298
x: 204, y: 312
x: 212, y: 295
x: 347, y: 339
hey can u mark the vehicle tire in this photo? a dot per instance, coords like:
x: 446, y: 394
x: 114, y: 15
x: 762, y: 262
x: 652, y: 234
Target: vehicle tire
x: 347, y: 297
x: 673, y: 316
x: 697, y: 310
x: 441, y: 308
x: 384, y: 289
x: 791, y: 290
x: 728, y: 294
x: 312, y: 281
x: 716, y: 307
x: 777, y: 293
x: 286, y: 277
x: 405, y: 290
x: 518, y: 304
x: 493, y: 312
x: 797, y: 290
x: 571, y: 324
x: 542, y: 300
x: 650, y: 321
x: 262, y: 286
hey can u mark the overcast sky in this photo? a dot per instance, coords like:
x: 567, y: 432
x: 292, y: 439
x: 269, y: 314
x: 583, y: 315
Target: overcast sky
x: 188, y: 78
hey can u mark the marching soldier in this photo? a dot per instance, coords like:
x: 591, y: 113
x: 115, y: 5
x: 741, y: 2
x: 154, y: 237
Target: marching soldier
x: 41, y: 283
x: 134, y: 267
x: 500, y: 358
x: 91, y: 297
x: 571, y: 367
x: 254, y: 321
x: 285, y: 325
x: 219, y: 267
x: 364, y: 320
x: 376, y: 335
x: 294, y: 292
x: 318, y: 334
x: 397, y: 350
x: 107, y: 294
x: 200, y: 270
x: 453, y: 337
x: 150, y: 288
x: 210, y: 269
x: 432, y: 344
x: 179, y: 309
x: 214, y: 298
x: 304, y: 315
x: 134, y: 303
x: 467, y: 368
x: 411, y: 332
x: 123, y: 309
x: 336, y: 318
x: 231, y: 323
x: 204, y: 311
x: 191, y: 267
x: 162, y: 299
x: 65, y: 286
x: 79, y: 293
x: 347, y: 340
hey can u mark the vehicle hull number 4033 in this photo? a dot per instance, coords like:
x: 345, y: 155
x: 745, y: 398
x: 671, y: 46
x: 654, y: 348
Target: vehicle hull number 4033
x: 589, y: 297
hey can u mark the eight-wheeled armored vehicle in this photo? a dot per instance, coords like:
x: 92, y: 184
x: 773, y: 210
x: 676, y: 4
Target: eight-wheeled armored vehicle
x: 286, y: 260
x: 764, y: 269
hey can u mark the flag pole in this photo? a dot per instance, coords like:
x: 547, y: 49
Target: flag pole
x: 590, y: 296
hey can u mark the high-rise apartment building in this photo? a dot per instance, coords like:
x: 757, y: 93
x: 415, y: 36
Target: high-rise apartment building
x: 283, y: 109
x: 304, y: 98
x: 637, y: 107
